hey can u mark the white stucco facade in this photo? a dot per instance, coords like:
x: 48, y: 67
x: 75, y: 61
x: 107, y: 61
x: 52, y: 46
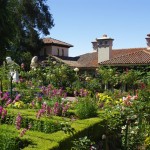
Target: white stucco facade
x: 54, y: 50
x: 104, y: 48
x: 104, y: 53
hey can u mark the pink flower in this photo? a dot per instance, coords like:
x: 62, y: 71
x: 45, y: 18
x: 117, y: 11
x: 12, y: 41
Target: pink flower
x: 22, y: 133
x: 8, y: 102
x: 5, y: 96
x: 17, y: 98
x: 3, y: 112
x: 18, y: 121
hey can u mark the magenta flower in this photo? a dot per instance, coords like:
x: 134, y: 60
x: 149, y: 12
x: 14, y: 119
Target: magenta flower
x: 5, y: 96
x: 17, y: 98
x: 22, y: 133
x: 18, y: 121
x: 8, y: 102
x: 40, y: 113
x: 3, y: 112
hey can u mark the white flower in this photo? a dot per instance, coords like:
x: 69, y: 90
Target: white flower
x: 87, y: 78
x: 123, y: 98
x: 48, y: 75
x: 103, y: 137
x: 44, y: 102
x: 76, y: 69
x: 54, y: 62
x: 132, y: 132
x: 123, y: 127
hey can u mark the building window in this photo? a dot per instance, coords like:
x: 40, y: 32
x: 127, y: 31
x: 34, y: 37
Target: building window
x: 106, y: 42
x: 58, y: 51
x: 62, y: 52
x: 101, y: 43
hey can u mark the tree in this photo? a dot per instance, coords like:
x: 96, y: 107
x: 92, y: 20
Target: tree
x: 6, y: 23
x: 21, y: 24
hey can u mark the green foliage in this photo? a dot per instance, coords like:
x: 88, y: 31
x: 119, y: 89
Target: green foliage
x: 22, y: 57
x: 45, y: 125
x: 9, y: 141
x: 83, y: 143
x: 93, y: 85
x: 86, y: 108
x: 59, y: 74
x: 66, y: 127
x: 31, y: 19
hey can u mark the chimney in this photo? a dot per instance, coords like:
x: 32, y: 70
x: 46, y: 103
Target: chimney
x: 148, y: 41
x: 95, y: 46
x: 104, y: 48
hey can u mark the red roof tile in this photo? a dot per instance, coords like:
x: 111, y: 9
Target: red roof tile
x: 56, y: 42
x: 132, y: 56
x: 135, y: 57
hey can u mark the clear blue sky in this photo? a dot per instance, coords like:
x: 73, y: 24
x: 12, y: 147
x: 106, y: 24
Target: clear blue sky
x: 79, y: 22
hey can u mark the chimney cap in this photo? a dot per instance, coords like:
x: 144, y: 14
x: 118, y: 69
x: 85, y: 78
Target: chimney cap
x: 148, y: 36
x: 105, y: 37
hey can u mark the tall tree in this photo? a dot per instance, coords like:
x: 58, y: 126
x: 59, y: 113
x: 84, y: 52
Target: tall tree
x: 22, y: 21
x: 7, y: 28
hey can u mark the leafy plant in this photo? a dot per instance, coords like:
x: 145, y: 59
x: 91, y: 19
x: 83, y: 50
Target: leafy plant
x: 83, y: 143
x: 86, y: 107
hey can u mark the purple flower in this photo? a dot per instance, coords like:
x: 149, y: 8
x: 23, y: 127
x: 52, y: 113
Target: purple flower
x: 3, y: 112
x: 5, y: 96
x: 18, y: 121
x: 8, y: 102
x: 22, y: 133
x: 40, y: 113
x: 17, y: 98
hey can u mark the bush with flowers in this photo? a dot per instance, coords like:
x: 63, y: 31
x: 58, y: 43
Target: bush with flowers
x: 126, y: 116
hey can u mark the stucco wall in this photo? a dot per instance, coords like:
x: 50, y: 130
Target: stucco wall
x: 104, y: 53
x: 54, y: 50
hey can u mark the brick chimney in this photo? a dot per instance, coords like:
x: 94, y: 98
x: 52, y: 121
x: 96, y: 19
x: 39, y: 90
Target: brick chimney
x: 104, y: 49
x: 148, y: 41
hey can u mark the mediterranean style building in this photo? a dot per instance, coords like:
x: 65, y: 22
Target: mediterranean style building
x: 55, y: 47
x: 103, y: 54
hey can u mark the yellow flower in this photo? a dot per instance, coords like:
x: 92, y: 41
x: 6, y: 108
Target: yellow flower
x: 19, y: 104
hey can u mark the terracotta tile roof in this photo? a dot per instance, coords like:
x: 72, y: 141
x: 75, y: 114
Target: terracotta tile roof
x: 136, y: 57
x: 56, y: 42
x: 71, y: 61
x: 88, y: 60
x: 119, y: 52
x: 129, y: 56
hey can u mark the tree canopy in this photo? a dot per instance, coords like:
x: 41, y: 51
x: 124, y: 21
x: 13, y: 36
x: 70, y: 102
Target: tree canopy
x: 21, y: 23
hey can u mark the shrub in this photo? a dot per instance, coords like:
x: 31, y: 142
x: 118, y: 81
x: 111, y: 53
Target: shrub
x: 86, y: 108
x: 82, y: 144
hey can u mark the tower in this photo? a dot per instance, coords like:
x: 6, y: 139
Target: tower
x: 104, y: 48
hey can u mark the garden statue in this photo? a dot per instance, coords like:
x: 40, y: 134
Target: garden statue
x: 12, y: 69
x: 34, y: 62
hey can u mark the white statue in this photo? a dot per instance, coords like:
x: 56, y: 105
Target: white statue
x: 34, y: 62
x: 13, y: 72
